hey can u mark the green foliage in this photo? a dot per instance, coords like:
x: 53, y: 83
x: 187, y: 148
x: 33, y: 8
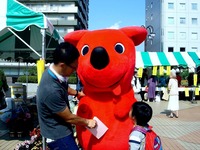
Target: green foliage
x: 31, y: 79
x: 1, y: 72
x: 184, y: 74
x: 73, y: 74
x: 32, y: 71
x: 72, y: 80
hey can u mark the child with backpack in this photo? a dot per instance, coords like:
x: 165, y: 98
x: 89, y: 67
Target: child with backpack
x: 142, y: 137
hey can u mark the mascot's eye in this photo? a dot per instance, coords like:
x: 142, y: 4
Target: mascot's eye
x: 85, y: 50
x: 119, y: 48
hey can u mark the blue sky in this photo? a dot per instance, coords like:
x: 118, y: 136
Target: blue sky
x: 116, y: 14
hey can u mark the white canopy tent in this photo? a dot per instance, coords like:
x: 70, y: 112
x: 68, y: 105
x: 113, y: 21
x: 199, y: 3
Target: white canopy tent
x: 15, y: 16
x: 179, y: 59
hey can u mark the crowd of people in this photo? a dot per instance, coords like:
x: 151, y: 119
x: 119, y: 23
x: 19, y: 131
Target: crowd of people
x: 171, y: 85
x: 152, y: 82
x: 145, y: 87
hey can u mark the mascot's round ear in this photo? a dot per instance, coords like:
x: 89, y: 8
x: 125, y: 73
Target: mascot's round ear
x: 136, y: 33
x: 75, y: 36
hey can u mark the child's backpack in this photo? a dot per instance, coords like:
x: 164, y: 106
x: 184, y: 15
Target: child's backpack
x: 152, y: 140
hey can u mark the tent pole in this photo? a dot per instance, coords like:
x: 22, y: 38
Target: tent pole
x: 193, y: 101
x: 43, y: 43
x: 43, y: 66
x: 24, y: 42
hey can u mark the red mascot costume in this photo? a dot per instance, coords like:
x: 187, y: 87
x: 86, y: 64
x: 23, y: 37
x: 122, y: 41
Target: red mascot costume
x: 106, y: 66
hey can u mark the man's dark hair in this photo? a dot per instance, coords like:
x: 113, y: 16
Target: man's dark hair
x: 142, y: 113
x: 65, y: 53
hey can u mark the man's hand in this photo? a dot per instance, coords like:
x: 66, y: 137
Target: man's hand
x: 91, y: 123
x: 80, y: 94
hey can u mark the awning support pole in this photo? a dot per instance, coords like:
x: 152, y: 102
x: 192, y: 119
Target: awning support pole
x: 24, y: 42
x: 43, y: 57
x: 193, y: 101
x: 43, y: 43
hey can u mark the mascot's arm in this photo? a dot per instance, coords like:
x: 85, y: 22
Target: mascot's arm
x: 123, y: 106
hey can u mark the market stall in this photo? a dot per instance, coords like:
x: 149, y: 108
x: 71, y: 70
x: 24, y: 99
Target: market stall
x: 183, y: 59
x: 187, y: 60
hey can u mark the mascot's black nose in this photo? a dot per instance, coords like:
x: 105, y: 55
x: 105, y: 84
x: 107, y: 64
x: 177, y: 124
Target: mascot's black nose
x: 99, y: 58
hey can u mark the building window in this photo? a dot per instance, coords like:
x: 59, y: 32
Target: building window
x: 151, y: 4
x: 151, y: 16
x: 70, y: 17
x: 170, y: 49
x: 182, y: 6
x: 194, y: 36
x: 182, y: 20
x: 170, y: 20
x: 170, y: 5
x: 182, y: 35
x: 194, y: 21
x: 194, y: 6
x: 194, y: 49
x: 182, y: 49
x: 170, y: 35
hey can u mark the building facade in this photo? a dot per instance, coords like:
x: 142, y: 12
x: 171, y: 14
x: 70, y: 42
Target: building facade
x: 65, y: 15
x: 176, y: 24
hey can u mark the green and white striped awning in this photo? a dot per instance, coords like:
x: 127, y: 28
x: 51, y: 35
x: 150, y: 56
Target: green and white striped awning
x: 195, y: 57
x: 17, y: 16
x: 184, y: 59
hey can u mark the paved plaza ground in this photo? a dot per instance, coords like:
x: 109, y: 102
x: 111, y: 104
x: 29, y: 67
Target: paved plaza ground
x: 176, y: 133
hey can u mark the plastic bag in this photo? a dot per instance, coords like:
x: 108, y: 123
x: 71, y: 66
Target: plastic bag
x: 157, y: 99
x: 165, y: 94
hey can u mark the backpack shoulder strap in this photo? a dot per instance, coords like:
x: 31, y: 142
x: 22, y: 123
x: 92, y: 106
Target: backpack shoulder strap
x: 140, y: 129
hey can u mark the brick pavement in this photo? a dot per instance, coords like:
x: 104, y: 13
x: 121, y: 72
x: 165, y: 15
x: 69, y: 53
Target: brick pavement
x: 177, y: 133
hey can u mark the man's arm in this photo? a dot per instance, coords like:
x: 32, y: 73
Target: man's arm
x: 74, y: 119
x: 75, y: 93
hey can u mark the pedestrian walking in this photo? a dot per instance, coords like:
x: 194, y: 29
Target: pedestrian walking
x: 173, y: 104
x: 152, y: 82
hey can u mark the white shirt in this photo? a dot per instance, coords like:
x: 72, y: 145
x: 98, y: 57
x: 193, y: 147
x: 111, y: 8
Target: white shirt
x: 137, y: 87
x: 173, y: 86
x: 60, y: 77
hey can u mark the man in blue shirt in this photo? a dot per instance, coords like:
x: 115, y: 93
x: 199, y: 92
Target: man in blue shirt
x: 55, y: 117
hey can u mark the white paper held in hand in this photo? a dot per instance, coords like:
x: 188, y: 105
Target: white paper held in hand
x: 99, y: 130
